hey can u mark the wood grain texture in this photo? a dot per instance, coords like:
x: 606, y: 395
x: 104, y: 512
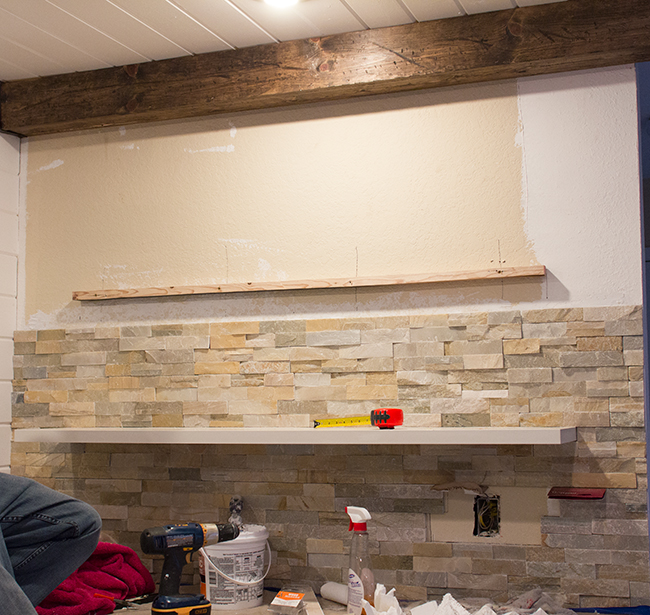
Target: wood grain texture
x: 535, y: 40
x: 172, y: 291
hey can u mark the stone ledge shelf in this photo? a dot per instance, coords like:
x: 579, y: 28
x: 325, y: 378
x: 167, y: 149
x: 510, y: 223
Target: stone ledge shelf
x: 305, y: 435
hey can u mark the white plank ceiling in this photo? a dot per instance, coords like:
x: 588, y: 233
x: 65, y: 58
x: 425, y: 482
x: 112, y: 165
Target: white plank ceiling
x: 48, y: 37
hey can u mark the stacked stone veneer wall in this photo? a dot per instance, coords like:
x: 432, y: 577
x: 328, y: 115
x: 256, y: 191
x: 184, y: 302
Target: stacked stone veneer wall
x: 535, y: 368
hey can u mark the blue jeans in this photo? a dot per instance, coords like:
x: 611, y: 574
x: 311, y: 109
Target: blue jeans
x: 44, y: 537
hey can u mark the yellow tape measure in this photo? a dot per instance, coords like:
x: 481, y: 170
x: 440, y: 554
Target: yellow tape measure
x: 343, y: 422
x: 384, y: 418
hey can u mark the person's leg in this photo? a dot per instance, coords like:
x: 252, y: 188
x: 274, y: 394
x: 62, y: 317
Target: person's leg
x: 12, y: 598
x: 47, y: 535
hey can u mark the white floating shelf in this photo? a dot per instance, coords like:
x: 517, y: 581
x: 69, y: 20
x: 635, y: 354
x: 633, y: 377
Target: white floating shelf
x: 334, y: 435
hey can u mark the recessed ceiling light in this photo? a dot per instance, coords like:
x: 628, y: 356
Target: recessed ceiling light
x: 281, y: 3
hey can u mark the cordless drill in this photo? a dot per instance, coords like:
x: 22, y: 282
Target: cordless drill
x: 177, y: 543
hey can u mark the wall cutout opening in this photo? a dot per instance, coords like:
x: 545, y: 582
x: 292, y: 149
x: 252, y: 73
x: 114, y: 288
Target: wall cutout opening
x: 487, y: 515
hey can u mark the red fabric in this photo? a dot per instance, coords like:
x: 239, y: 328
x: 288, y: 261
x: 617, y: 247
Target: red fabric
x: 113, y: 570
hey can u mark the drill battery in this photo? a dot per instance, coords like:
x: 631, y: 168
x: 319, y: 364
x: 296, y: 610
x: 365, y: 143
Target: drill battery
x: 181, y: 605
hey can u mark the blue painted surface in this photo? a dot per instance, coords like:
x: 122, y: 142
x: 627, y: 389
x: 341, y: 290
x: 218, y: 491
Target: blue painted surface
x: 643, y: 85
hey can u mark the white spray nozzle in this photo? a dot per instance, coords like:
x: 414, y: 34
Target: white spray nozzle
x: 358, y: 517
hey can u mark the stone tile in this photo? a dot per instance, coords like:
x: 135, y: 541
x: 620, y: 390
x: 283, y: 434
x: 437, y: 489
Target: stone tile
x: 607, y: 389
x: 322, y: 393
x: 624, y: 327
x: 576, y: 374
x: 187, y: 342
x: 532, y: 375
x: 530, y: 361
x: 120, y: 396
x: 282, y: 326
x: 50, y: 334
x: 546, y: 330
x: 591, y: 344
x: 228, y: 341
x: 466, y: 420
x: 471, y: 377
x: 521, y: 346
x: 384, y: 349
x: 304, y: 380
x: 636, y: 389
x: 45, y: 397
x: 612, y: 312
x: 270, y: 394
x: 459, y: 406
x: 611, y: 373
x: 586, y: 329
x: 419, y: 349
x: 224, y: 367
x: 477, y: 582
x: 265, y: 367
x: 488, y: 347
x: 378, y: 378
x: 443, y: 363
x: 419, y: 321
x: 506, y: 567
x: 378, y: 392
x: 379, y: 336
x: 185, y: 394
x: 260, y: 341
x: 552, y: 315
x: 633, y: 357
x: 600, y: 587
x: 495, y: 332
x: 84, y: 358
x: 591, y: 359
x: 49, y: 347
x: 430, y: 391
x: 25, y: 336
x: 633, y: 342
x: 421, y: 377
x: 483, y: 361
x: 204, y: 407
x: 504, y: 317
x: 438, y: 334
x: 276, y: 422
x: 234, y: 328
x: 333, y: 338
x: 290, y: 339
x: 222, y: 394
x: 620, y: 527
x: 635, y: 373
x: 279, y: 380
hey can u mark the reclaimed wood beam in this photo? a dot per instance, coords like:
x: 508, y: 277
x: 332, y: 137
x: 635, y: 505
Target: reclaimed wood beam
x: 535, y: 40
x: 211, y: 289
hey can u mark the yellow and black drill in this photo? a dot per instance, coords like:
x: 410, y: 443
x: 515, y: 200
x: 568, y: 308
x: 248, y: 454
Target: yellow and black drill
x: 177, y: 543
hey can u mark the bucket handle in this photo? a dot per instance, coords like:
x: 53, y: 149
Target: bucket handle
x: 225, y: 576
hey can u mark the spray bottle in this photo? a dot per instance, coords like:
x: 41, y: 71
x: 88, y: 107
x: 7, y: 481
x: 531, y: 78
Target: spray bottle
x: 361, y: 580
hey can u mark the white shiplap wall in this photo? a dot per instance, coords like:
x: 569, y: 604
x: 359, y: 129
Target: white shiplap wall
x: 9, y: 173
x: 47, y: 37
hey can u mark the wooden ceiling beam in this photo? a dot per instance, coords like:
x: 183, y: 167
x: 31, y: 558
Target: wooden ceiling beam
x: 536, y: 40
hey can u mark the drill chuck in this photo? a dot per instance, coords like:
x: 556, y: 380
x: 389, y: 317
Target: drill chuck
x: 219, y: 532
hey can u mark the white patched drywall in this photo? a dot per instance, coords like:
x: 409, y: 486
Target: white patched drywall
x: 539, y: 171
x: 9, y: 201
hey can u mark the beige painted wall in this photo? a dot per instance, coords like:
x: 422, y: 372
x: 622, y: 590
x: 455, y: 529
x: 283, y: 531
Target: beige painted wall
x: 429, y: 182
x: 541, y: 170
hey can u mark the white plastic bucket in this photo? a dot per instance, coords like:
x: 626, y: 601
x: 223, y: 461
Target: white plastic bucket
x: 235, y: 570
